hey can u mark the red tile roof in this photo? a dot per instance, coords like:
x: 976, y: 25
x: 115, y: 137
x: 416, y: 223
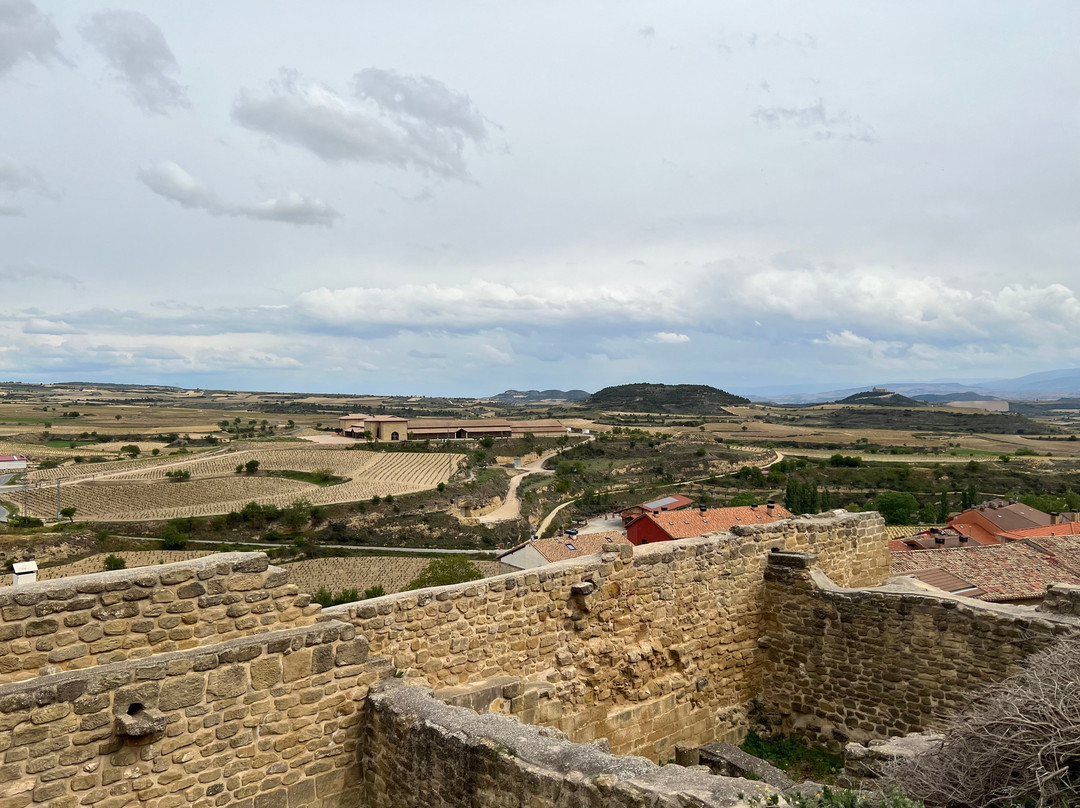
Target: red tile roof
x: 688, y: 524
x: 1019, y: 570
x: 1060, y: 529
x: 564, y: 547
x: 672, y: 502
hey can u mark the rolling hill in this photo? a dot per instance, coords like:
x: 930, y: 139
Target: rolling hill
x: 690, y: 399
x: 538, y: 396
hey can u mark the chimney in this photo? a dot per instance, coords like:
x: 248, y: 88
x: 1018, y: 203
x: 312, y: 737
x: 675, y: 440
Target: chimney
x: 771, y: 506
x: 1054, y: 517
x: 963, y: 539
x: 939, y: 539
x: 753, y: 507
x: 702, y: 508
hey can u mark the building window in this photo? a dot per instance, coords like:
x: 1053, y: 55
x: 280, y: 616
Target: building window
x: 394, y: 436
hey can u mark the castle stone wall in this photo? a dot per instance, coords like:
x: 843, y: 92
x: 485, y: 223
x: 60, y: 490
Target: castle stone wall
x: 645, y: 646
x: 416, y: 752
x: 97, y: 619
x: 856, y: 664
x: 268, y: 721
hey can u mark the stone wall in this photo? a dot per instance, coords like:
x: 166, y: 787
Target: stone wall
x: 267, y: 721
x: 416, y: 752
x: 96, y: 619
x: 1061, y: 599
x: 856, y: 664
x: 645, y: 647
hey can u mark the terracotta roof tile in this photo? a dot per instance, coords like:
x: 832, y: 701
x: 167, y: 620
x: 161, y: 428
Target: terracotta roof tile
x: 687, y: 524
x: 1015, y: 571
x: 565, y: 547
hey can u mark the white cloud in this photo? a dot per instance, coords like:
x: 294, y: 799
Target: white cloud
x: 484, y: 304
x: 670, y: 337
x: 139, y: 57
x: 393, y: 119
x: 169, y: 180
x: 26, y: 34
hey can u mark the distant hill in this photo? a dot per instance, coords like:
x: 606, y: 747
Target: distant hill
x: 881, y: 398
x: 539, y: 396
x: 692, y: 399
x: 946, y: 398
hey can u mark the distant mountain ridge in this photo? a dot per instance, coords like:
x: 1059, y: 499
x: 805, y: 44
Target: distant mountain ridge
x: 538, y: 396
x: 693, y: 399
x: 1048, y: 385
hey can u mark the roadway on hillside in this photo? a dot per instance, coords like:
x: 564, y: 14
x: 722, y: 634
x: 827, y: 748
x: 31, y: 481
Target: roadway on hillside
x: 511, y: 508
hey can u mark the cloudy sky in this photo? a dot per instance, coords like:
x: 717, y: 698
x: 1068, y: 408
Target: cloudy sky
x: 461, y: 197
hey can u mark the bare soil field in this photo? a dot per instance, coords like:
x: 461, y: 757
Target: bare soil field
x: 336, y: 574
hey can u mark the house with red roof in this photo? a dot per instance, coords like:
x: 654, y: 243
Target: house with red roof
x: 987, y: 523
x: 672, y: 502
x: 690, y: 523
x: 538, y: 552
x: 13, y: 462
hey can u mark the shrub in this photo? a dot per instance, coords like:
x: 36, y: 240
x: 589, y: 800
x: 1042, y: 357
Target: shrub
x: 115, y: 562
x: 251, y: 466
x: 1018, y: 744
x: 452, y: 569
x: 172, y: 538
x: 376, y: 591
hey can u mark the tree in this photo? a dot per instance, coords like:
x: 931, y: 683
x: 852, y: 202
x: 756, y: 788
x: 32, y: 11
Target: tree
x: 897, y: 508
x: 296, y: 515
x: 130, y: 449
x: 117, y: 417
x: 239, y: 468
x: 251, y: 466
x: 943, y: 507
x: 69, y: 513
x: 452, y: 569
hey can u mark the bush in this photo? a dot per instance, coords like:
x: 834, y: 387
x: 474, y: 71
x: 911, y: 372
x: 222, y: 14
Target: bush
x: 172, y: 538
x: 452, y: 569
x: 1018, y: 744
x: 376, y: 591
x: 115, y: 562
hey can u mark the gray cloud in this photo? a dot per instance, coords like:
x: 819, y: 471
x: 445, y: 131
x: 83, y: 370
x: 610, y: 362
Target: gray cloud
x: 32, y: 272
x: 647, y: 31
x: 139, y: 57
x: 169, y: 180
x: 16, y: 177
x: 26, y: 34
x: 824, y: 124
x: 393, y: 119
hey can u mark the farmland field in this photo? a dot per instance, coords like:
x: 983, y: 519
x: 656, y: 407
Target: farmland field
x: 140, y: 489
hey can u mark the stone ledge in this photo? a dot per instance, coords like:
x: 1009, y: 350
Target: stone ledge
x: 238, y: 562
x: 284, y: 641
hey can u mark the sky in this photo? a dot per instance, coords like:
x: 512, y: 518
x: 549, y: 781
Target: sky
x: 457, y: 198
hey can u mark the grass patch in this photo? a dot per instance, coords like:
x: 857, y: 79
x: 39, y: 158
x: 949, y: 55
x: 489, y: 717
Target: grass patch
x: 321, y: 478
x: 794, y: 756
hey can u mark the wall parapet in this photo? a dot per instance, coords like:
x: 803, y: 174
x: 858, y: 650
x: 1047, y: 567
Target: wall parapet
x: 483, y: 758
x: 84, y: 620
x: 855, y: 664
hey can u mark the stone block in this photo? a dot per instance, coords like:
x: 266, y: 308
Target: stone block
x: 227, y: 682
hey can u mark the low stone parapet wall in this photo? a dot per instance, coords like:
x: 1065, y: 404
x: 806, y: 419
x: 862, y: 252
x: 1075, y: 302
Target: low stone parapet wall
x: 86, y: 620
x: 418, y: 752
